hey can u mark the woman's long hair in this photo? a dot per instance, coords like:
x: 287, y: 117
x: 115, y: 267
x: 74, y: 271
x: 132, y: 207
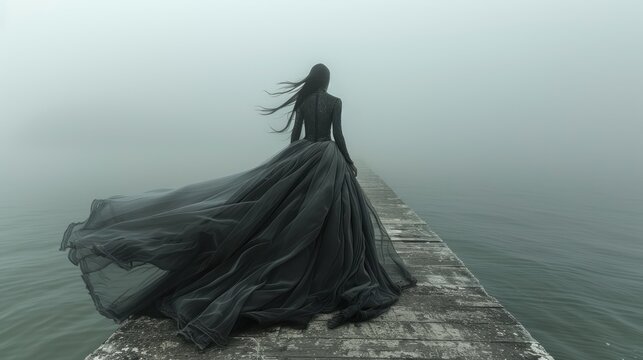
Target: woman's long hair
x: 318, y: 78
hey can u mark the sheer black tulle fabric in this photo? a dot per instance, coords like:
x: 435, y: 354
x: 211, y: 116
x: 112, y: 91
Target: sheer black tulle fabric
x: 278, y: 243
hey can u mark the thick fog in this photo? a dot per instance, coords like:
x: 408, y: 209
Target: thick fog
x: 106, y: 97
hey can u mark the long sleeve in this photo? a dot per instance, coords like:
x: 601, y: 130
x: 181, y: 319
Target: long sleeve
x: 296, y: 130
x: 337, y: 130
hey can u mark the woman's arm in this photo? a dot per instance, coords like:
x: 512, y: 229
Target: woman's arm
x: 296, y: 130
x: 337, y: 130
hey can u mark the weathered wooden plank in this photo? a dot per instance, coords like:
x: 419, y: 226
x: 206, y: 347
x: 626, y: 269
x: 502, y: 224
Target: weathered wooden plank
x: 451, y: 315
x: 442, y: 275
x: 166, y: 345
x: 426, y: 254
x: 399, y: 216
x: 408, y: 349
x: 418, y: 301
x: 405, y: 330
x: 410, y: 232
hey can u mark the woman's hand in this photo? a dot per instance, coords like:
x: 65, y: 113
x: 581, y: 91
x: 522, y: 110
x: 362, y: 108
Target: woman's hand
x: 353, y: 169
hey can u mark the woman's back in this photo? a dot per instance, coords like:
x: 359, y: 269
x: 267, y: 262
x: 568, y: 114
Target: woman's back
x: 318, y: 113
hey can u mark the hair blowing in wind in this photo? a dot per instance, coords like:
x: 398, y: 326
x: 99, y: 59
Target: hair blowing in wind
x: 317, y: 78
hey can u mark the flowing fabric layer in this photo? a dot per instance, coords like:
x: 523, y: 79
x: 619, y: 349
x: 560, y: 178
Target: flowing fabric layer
x: 278, y: 243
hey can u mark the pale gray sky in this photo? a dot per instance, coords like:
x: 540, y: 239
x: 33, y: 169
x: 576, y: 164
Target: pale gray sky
x: 105, y: 97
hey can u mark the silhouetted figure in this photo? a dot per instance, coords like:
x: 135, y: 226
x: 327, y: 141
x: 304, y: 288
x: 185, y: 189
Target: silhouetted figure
x: 275, y: 244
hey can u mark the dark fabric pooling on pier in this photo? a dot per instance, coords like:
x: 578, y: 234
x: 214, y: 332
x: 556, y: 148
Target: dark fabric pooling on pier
x: 278, y: 243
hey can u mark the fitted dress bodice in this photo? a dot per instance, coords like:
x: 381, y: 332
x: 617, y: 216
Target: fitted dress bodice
x: 317, y: 112
x: 320, y: 112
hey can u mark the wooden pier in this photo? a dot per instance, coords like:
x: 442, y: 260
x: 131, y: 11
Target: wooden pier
x: 448, y: 315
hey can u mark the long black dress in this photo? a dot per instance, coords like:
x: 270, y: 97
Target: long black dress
x: 278, y: 243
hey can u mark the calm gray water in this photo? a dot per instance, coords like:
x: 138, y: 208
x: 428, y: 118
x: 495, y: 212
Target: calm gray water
x: 566, y: 262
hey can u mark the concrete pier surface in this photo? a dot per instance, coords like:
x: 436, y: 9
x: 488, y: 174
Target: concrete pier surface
x: 449, y: 315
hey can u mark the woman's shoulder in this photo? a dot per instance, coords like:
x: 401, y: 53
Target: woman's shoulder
x: 330, y: 98
x: 333, y: 97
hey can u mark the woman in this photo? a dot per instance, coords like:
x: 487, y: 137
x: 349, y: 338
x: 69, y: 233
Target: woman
x: 278, y: 243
